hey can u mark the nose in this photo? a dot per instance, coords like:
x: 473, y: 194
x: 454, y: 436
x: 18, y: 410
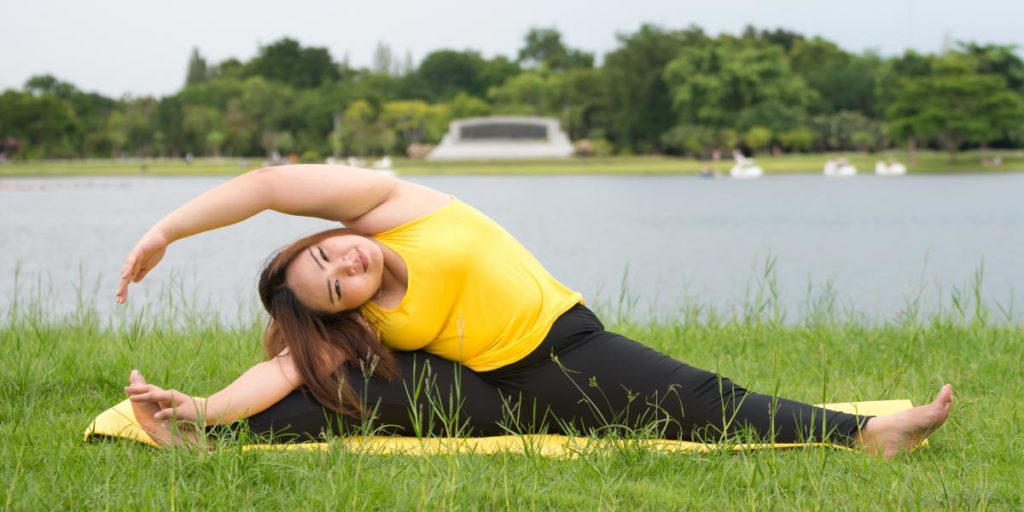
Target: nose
x: 349, y: 265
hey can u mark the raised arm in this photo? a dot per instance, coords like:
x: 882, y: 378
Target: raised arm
x: 345, y: 194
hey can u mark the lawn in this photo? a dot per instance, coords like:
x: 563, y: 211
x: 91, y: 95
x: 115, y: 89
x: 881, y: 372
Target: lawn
x: 60, y: 371
x: 919, y: 162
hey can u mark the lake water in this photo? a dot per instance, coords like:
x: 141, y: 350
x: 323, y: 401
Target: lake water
x: 877, y: 243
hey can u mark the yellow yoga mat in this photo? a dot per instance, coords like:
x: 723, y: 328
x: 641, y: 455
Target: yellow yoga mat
x: 119, y: 421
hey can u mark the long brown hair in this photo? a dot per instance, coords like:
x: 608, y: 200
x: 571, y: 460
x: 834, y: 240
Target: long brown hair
x: 319, y: 343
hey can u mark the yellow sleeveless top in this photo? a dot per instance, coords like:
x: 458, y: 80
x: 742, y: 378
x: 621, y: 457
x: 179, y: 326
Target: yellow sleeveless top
x: 474, y: 295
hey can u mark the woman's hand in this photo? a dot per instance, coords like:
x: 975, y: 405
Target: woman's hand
x: 173, y: 404
x: 143, y: 257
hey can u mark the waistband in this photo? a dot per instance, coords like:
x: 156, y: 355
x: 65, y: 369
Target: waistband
x: 569, y: 330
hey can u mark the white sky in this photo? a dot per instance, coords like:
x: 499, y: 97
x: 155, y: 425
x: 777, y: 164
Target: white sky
x: 135, y: 47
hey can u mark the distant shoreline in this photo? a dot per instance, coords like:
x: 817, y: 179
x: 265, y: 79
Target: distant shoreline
x: 922, y: 162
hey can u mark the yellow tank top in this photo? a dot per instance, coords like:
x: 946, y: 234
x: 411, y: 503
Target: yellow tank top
x: 474, y: 295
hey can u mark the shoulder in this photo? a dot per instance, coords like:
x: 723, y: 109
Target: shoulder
x: 407, y: 202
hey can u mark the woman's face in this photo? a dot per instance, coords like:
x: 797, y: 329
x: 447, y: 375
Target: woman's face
x: 339, y: 273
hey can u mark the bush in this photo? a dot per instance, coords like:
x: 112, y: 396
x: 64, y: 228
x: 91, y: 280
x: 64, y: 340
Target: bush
x: 593, y: 147
x: 311, y: 156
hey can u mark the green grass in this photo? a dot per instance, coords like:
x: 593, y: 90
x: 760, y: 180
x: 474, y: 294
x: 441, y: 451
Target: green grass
x: 59, y: 371
x: 920, y: 162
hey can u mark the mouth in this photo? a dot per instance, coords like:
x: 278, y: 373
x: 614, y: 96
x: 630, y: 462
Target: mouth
x: 363, y: 259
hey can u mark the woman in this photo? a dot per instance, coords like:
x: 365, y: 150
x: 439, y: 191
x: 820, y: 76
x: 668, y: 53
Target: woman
x: 423, y: 316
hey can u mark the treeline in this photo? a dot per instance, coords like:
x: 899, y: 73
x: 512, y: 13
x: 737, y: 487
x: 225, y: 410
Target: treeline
x: 659, y: 91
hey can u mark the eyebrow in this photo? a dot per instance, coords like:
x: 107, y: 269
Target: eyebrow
x: 329, y: 294
x: 310, y: 249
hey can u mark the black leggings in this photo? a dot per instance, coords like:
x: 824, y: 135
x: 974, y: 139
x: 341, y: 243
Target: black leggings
x: 580, y: 380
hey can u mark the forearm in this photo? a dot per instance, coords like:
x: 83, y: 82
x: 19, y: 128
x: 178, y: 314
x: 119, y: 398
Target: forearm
x: 229, y: 203
x: 255, y: 390
x: 328, y: 192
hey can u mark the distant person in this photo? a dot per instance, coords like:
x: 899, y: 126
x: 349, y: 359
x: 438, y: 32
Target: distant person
x: 189, y: 158
x: 420, y: 283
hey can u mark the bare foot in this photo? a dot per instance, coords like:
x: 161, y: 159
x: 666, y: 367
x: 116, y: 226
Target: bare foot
x: 159, y: 431
x: 893, y: 433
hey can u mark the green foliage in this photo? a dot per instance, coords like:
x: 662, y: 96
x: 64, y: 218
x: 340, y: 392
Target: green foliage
x: 59, y: 372
x: 688, y: 139
x: 736, y: 85
x: 44, y: 125
x: 954, y: 104
x: 413, y: 121
x: 311, y: 157
x: 445, y: 73
x: 197, y: 72
x: 677, y: 91
x: 533, y: 93
x: 464, y: 105
x: 585, y: 103
x: 640, y: 103
x: 543, y: 48
x: 363, y: 133
x: 797, y: 139
x: 846, y: 130
x: 286, y: 61
x: 757, y: 137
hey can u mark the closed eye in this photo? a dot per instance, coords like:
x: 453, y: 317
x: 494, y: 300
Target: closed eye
x: 322, y: 254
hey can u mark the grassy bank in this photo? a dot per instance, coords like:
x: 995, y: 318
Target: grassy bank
x: 919, y: 162
x: 58, y: 372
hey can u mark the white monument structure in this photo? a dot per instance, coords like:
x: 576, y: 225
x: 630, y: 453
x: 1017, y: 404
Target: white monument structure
x: 481, y: 138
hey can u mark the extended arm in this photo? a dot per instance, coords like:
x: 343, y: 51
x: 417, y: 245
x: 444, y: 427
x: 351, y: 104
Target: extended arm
x: 343, y: 194
x: 255, y: 390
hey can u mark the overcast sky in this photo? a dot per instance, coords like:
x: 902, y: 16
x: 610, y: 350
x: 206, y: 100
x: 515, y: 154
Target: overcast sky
x: 135, y: 47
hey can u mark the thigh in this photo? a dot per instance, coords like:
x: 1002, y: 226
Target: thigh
x: 605, y: 382
x: 433, y: 396
x: 609, y: 381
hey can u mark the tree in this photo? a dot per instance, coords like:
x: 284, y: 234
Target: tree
x: 239, y: 129
x: 49, y: 84
x: 445, y: 73
x: 286, y: 61
x: 408, y: 118
x: 139, y: 125
x: 688, y: 139
x: 45, y: 126
x: 640, y: 106
x: 585, y: 103
x: 464, y: 105
x: 956, y: 104
x: 797, y: 139
x: 228, y: 68
x: 168, y: 120
x: 198, y: 122
x: 738, y: 85
x: 846, y: 130
x: 543, y: 48
x: 383, y: 60
x: 197, y: 72
x: 495, y: 72
x: 757, y: 137
x: 999, y: 60
x: 362, y: 133
x: 843, y: 81
x: 530, y: 94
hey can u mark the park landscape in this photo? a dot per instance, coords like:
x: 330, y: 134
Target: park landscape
x: 662, y: 103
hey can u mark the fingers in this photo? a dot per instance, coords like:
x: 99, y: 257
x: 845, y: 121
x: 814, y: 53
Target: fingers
x: 128, y: 272
x: 173, y: 412
x: 136, y: 378
x: 149, y: 393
